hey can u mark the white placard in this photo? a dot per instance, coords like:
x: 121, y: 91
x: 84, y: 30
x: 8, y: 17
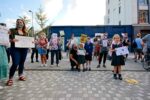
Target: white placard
x: 81, y: 52
x: 4, y: 36
x: 122, y: 51
x: 54, y: 35
x: 62, y: 33
x: 24, y: 42
x: 104, y: 43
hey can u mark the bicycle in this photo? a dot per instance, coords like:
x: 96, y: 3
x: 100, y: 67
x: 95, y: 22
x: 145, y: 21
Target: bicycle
x: 146, y: 61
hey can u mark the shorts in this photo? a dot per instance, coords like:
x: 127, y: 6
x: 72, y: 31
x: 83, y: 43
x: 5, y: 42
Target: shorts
x: 139, y: 51
x: 88, y: 57
x: 42, y: 51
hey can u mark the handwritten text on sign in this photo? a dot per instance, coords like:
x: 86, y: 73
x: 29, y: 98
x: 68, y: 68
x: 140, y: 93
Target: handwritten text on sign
x: 24, y: 42
x: 122, y: 51
x: 4, y: 36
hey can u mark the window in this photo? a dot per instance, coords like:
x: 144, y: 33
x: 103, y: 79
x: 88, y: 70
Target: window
x: 108, y: 11
x: 108, y: 1
x: 119, y: 10
x: 119, y: 22
x: 108, y: 21
x: 143, y: 2
x: 143, y: 16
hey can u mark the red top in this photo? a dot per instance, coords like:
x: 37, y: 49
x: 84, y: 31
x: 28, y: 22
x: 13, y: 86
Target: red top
x: 43, y: 42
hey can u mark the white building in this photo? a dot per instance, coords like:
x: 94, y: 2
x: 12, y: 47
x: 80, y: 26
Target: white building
x: 127, y: 12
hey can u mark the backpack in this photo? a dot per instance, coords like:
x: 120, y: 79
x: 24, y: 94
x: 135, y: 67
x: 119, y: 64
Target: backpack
x: 134, y: 44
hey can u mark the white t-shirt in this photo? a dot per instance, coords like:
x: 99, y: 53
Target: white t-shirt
x: 81, y: 52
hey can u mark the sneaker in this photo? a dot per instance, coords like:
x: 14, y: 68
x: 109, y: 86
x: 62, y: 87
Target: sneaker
x: 120, y: 77
x: 89, y: 69
x: 32, y: 61
x: 115, y: 76
x: 37, y: 60
x: 1, y: 87
x: 84, y: 70
x: 42, y: 65
x: 79, y: 70
x: 104, y: 66
x: 45, y: 65
x: 57, y: 65
x: 98, y: 66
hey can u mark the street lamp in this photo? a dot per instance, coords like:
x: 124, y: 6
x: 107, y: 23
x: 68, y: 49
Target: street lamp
x: 32, y: 22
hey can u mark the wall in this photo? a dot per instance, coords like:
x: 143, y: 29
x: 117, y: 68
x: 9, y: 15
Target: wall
x: 91, y: 30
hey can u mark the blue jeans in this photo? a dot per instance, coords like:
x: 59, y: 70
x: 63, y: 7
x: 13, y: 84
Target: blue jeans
x: 54, y: 52
x: 18, y: 58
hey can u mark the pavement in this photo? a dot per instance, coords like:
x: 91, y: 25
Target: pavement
x: 58, y: 83
x: 64, y: 65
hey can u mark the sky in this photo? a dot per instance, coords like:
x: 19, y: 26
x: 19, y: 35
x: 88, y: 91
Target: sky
x: 58, y: 12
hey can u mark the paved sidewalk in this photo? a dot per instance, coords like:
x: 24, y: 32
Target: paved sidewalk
x: 67, y: 85
x: 57, y: 83
x: 65, y: 65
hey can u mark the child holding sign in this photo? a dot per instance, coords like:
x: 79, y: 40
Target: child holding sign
x: 81, y: 56
x: 117, y: 61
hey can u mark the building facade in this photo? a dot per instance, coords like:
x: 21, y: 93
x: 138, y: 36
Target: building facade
x: 127, y: 12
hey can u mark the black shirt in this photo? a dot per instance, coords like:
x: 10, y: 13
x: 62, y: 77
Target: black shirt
x: 74, y: 54
x: 12, y: 35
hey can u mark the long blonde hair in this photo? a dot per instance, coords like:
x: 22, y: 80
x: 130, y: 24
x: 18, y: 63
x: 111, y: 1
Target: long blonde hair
x: 116, y: 35
x: 42, y: 34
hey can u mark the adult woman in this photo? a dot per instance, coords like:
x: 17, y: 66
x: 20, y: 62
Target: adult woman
x: 103, y: 50
x: 18, y: 54
x: 74, y: 57
x: 3, y: 61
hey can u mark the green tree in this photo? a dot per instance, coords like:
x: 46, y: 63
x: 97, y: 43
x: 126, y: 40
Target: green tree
x: 41, y: 18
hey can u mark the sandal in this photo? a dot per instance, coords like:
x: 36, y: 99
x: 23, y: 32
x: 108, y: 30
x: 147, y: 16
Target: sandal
x: 9, y: 82
x: 22, y: 78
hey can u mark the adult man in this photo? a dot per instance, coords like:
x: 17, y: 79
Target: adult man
x: 103, y: 50
x: 146, y: 39
x: 138, y: 49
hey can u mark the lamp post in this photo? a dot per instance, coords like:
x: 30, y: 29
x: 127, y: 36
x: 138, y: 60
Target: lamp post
x: 32, y: 22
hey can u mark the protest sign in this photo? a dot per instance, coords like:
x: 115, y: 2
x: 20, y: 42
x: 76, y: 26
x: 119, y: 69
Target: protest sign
x: 122, y: 51
x: 4, y: 36
x: 24, y: 42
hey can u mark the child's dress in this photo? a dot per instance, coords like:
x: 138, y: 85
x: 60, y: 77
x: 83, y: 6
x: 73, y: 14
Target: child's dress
x: 117, y: 60
x: 42, y: 46
x: 81, y: 56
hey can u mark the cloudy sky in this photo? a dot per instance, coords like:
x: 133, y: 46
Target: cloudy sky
x: 59, y: 12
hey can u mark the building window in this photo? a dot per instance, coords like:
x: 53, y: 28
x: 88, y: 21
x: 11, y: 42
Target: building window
x: 108, y: 1
x: 108, y: 21
x: 143, y: 16
x: 119, y: 22
x: 119, y: 10
x: 108, y: 11
x: 143, y: 2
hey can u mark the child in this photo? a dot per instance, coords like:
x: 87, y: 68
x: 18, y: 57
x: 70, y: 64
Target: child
x: 89, y: 50
x: 117, y: 61
x: 42, y: 44
x: 81, y: 56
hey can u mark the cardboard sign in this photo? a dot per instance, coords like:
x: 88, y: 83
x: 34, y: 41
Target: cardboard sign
x: 122, y: 51
x: 24, y: 42
x: 83, y: 38
x: 4, y: 36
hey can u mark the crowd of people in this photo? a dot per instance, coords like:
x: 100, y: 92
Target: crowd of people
x: 80, y: 54
x: 101, y: 48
